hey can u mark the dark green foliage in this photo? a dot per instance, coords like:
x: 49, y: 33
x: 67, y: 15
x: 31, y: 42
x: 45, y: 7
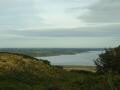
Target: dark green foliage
x: 109, y: 61
x: 67, y: 81
x: 46, y: 62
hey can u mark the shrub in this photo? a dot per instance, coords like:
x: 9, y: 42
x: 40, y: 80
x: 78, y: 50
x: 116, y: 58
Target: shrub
x: 109, y: 61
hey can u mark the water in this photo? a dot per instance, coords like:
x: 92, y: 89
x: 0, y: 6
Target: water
x: 86, y: 58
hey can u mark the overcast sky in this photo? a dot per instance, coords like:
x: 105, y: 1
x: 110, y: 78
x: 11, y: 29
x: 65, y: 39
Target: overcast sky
x: 59, y: 23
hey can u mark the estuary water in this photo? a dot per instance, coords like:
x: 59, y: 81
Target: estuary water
x: 85, y: 58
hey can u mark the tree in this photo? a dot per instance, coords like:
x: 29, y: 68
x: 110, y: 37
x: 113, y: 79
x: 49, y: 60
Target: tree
x: 109, y: 61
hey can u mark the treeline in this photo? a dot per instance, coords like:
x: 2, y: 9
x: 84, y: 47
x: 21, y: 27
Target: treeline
x: 36, y: 52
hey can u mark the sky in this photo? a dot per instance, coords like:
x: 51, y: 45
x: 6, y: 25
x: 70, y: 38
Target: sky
x: 59, y: 23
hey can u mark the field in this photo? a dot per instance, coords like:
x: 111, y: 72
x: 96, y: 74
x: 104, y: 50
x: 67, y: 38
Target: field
x: 79, y: 68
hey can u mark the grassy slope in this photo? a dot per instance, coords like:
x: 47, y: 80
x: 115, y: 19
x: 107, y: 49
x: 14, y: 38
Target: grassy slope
x: 21, y: 72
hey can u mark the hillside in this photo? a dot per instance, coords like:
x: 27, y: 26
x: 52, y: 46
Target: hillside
x: 22, y: 72
x: 17, y: 70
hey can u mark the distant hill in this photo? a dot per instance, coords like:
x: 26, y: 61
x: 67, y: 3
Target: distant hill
x: 22, y: 72
x: 37, y: 52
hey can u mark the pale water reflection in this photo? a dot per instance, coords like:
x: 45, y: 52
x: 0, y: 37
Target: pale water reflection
x: 86, y: 58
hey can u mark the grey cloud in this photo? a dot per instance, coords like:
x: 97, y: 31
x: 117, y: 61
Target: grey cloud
x: 105, y: 31
x: 105, y: 11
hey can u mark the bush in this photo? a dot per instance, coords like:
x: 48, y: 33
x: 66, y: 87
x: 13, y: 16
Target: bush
x: 109, y: 61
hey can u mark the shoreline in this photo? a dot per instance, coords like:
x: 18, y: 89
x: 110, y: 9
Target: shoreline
x: 77, y: 68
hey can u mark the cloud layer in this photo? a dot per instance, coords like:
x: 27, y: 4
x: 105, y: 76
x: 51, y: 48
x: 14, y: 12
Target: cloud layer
x: 105, y: 11
x: 42, y: 23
